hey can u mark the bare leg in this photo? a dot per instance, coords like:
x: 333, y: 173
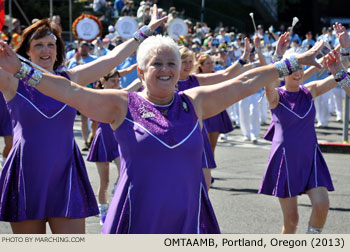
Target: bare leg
x: 290, y: 214
x: 84, y: 128
x: 93, y: 132
x: 64, y: 225
x: 213, y: 139
x: 207, y: 177
x: 117, y: 163
x: 29, y: 227
x: 320, y: 205
x: 8, y: 145
x: 103, y: 172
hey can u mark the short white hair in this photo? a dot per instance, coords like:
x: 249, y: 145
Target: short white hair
x: 151, y: 44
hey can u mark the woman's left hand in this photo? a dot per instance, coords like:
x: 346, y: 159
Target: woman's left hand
x: 8, y: 59
x: 247, y: 49
x: 257, y: 41
x: 331, y: 62
x: 309, y: 57
x: 155, y: 21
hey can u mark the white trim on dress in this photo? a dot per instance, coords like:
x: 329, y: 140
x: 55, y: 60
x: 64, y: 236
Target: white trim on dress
x: 129, y: 197
x: 199, y: 208
x: 285, y: 157
x: 162, y: 142
x: 70, y: 182
x: 43, y: 114
x: 301, y: 117
x: 24, y: 186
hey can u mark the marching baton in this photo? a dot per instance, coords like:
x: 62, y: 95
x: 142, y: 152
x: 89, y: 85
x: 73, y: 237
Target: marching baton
x: 295, y: 21
x: 33, y: 64
x: 252, y: 16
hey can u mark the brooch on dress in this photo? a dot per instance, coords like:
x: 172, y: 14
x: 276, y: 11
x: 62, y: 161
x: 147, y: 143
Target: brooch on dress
x: 144, y: 113
x: 185, y: 106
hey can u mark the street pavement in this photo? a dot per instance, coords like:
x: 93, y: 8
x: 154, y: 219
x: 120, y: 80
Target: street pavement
x: 240, y: 168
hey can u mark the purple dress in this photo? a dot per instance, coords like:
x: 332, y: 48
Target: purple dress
x: 5, y: 120
x: 219, y: 123
x: 104, y: 147
x: 161, y: 189
x: 208, y: 157
x: 44, y: 174
x: 295, y: 164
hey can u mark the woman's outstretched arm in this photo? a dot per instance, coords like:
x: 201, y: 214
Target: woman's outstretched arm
x: 109, y: 106
x: 93, y: 71
x: 211, y: 100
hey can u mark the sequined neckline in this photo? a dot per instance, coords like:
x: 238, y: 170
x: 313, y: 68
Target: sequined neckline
x: 157, y: 105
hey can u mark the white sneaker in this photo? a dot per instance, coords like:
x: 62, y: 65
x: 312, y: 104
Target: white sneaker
x: 246, y: 139
x: 103, y: 212
x: 223, y: 136
x: 2, y: 162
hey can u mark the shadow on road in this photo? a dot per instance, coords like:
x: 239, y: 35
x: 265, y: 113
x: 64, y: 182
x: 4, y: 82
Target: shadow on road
x: 330, y: 209
x: 245, y: 190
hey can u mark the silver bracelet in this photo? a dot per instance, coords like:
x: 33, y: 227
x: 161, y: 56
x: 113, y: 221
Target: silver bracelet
x: 345, y: 51
x: 29, y: 75
x: 287, y: 66
x: 23, y: 72
x: 275, y: 57
x: 143, y: 33
x: 282, y: 69
x: 344, y: 55
x: 35, y: 78
x: 294, y: 63
x: 342, y: 78
x: 258, y: 49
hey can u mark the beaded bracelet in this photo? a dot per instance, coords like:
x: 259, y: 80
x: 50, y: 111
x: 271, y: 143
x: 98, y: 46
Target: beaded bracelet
x: 242, y: 62
x: 275, y: 58
x: 258, y: 49
x: 143, y: 33
x: 29, y: 75
x: 344, y: 51
x: 287, y: 66
x: 344, y: 55
x: 342, y: 78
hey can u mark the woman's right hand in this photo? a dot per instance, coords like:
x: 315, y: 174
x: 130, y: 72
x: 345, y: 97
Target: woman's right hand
x: 8, y: 59
x: 282, y: 44
x: 342, y: 35
x: 155, y: 21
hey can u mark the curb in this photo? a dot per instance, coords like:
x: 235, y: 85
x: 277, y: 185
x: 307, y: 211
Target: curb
x: 334, y: 147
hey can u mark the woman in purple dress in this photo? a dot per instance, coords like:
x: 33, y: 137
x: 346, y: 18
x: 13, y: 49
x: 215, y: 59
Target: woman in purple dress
x: 161, y: 187
x: 104, y: 147
x: 189, y: 80
x: 5, y: 130
x: 220, y: 123
x: 44, y: 178
x: 296, y: 165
